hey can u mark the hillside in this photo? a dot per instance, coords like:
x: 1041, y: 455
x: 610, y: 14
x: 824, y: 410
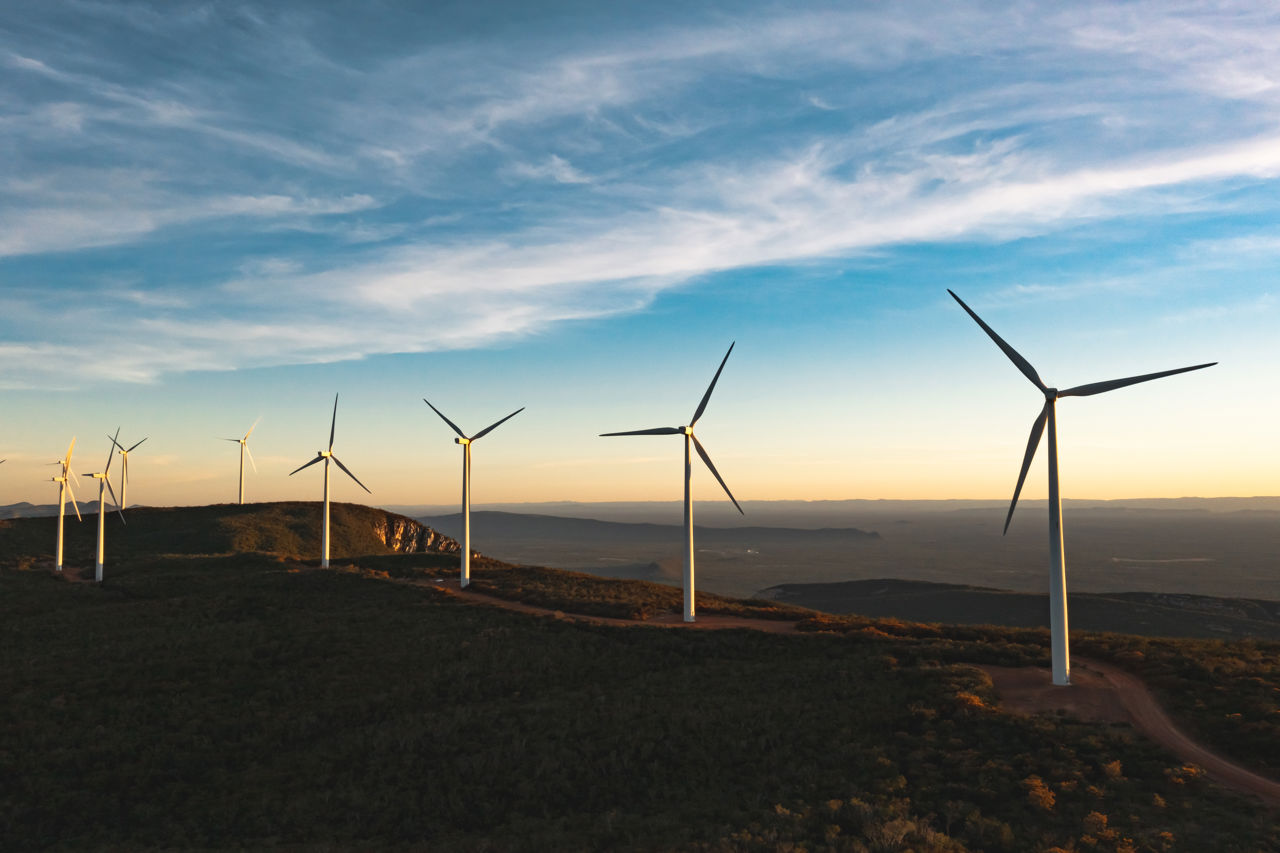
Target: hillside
x: 1145, y: 613
x: 225, y: 700
x: 287, y: 528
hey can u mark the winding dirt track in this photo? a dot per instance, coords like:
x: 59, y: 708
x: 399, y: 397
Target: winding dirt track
x: 1098, y: 691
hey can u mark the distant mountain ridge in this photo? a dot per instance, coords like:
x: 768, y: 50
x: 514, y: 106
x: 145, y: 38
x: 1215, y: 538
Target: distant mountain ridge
x: 831, y: 513
x: 524, y: 525
x: 25, y: 509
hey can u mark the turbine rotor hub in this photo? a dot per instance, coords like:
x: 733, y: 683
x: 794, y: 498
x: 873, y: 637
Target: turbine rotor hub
x: 1051, y: 394
x: 687, y: 430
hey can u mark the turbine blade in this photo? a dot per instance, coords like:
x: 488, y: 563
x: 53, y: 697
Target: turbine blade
x: 252, y: 428
x: 654, y: 431
x: 334, y: 425
x: 231, y: 439
x: 249, y: 453
x: 111, y: 492
x: 482, y: 433
x: 111, y: 452
x: 1021, y: 363
x: 135, y: 447
x: 1100, y: 387
x: 347, y: 471
x: 74, y: 504
x: 308, y: 465
x: 1037, y: 430
x: 70, y: 448
x: 451, y: 424
x: 697, y: 445
x: 702, y: 406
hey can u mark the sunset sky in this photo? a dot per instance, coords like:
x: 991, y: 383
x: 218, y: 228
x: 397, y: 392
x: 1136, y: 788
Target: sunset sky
x: 211, y: 212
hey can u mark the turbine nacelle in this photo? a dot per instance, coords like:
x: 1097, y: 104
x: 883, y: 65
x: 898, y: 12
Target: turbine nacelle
x: 323, y: 456
x: 1051, y: 394
x: 462, y: 441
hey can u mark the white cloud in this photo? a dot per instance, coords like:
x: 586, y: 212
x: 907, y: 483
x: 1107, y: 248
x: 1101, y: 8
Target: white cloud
x: 554, y: 168
x: 672, y: 162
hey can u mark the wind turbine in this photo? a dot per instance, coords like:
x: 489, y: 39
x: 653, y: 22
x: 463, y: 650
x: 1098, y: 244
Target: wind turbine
x: 1057, y: 559
x: 124, y: 470
x: 64, y: 488
x: 690, y: 438
x: 466, y: 481
x: 244, y: 449
x: 325, y: 456
x: 104, y: 486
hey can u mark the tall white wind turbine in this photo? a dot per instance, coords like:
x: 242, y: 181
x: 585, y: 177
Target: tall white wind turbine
x: 691, y: 439
x: 325, y: 456
x: 243, y: 441
x: 463, y: 440
x: 104, y: 486
x: 64, y: 488
x: 124, y: 470
x: 1057, y: 558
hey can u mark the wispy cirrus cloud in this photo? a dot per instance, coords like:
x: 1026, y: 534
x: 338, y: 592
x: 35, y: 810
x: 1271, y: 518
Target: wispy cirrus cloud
x: 453, y: 192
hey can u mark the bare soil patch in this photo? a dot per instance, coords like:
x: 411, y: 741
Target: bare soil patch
x: 1102, y: 692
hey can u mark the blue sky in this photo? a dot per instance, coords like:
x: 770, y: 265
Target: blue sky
x: 211, y: 212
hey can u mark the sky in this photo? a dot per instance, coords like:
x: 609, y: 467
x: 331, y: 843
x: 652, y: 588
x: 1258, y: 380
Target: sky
x: 212, y: 213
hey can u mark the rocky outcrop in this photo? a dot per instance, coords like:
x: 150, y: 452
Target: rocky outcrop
x: 406, y: 536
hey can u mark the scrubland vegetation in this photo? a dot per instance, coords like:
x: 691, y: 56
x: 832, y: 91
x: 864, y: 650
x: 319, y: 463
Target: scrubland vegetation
x: 248, y: 701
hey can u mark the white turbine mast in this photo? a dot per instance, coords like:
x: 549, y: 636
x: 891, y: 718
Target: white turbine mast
x: 326, y: 456
x: 124, y: 470
x: 64, y: 488
x: 466, y: 441
x: 104, y: 486
x: 1057, y: 558
x: 243, y: 441
x: 691, y: 439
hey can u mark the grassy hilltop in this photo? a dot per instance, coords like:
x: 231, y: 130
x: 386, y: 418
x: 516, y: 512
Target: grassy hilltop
x: 212, y: 699
x: 289, y: 528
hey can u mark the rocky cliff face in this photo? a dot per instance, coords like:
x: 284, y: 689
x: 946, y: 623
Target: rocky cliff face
x: 406, y: 536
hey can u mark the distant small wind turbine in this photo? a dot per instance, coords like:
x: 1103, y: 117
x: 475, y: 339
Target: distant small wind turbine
x: 1057, y: 558
x: 64, y: 488
x: 325, y: 456
x: 124, y: 470
x: 466, y: 481
x: 244, y: 449
x: 690, y: 438
x: 104, y: 486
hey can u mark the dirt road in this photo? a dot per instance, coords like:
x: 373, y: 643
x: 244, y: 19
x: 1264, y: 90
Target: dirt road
x: 1099, y: 691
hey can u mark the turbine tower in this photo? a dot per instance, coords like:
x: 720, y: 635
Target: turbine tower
x: 104, y: 486
x: 691, y: 439
x: 325, y: 456
x: 1057, y: 559
x: 244, y: 449
x: 124, y: 470
x: 463, y: 440
x: 64, y: 488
